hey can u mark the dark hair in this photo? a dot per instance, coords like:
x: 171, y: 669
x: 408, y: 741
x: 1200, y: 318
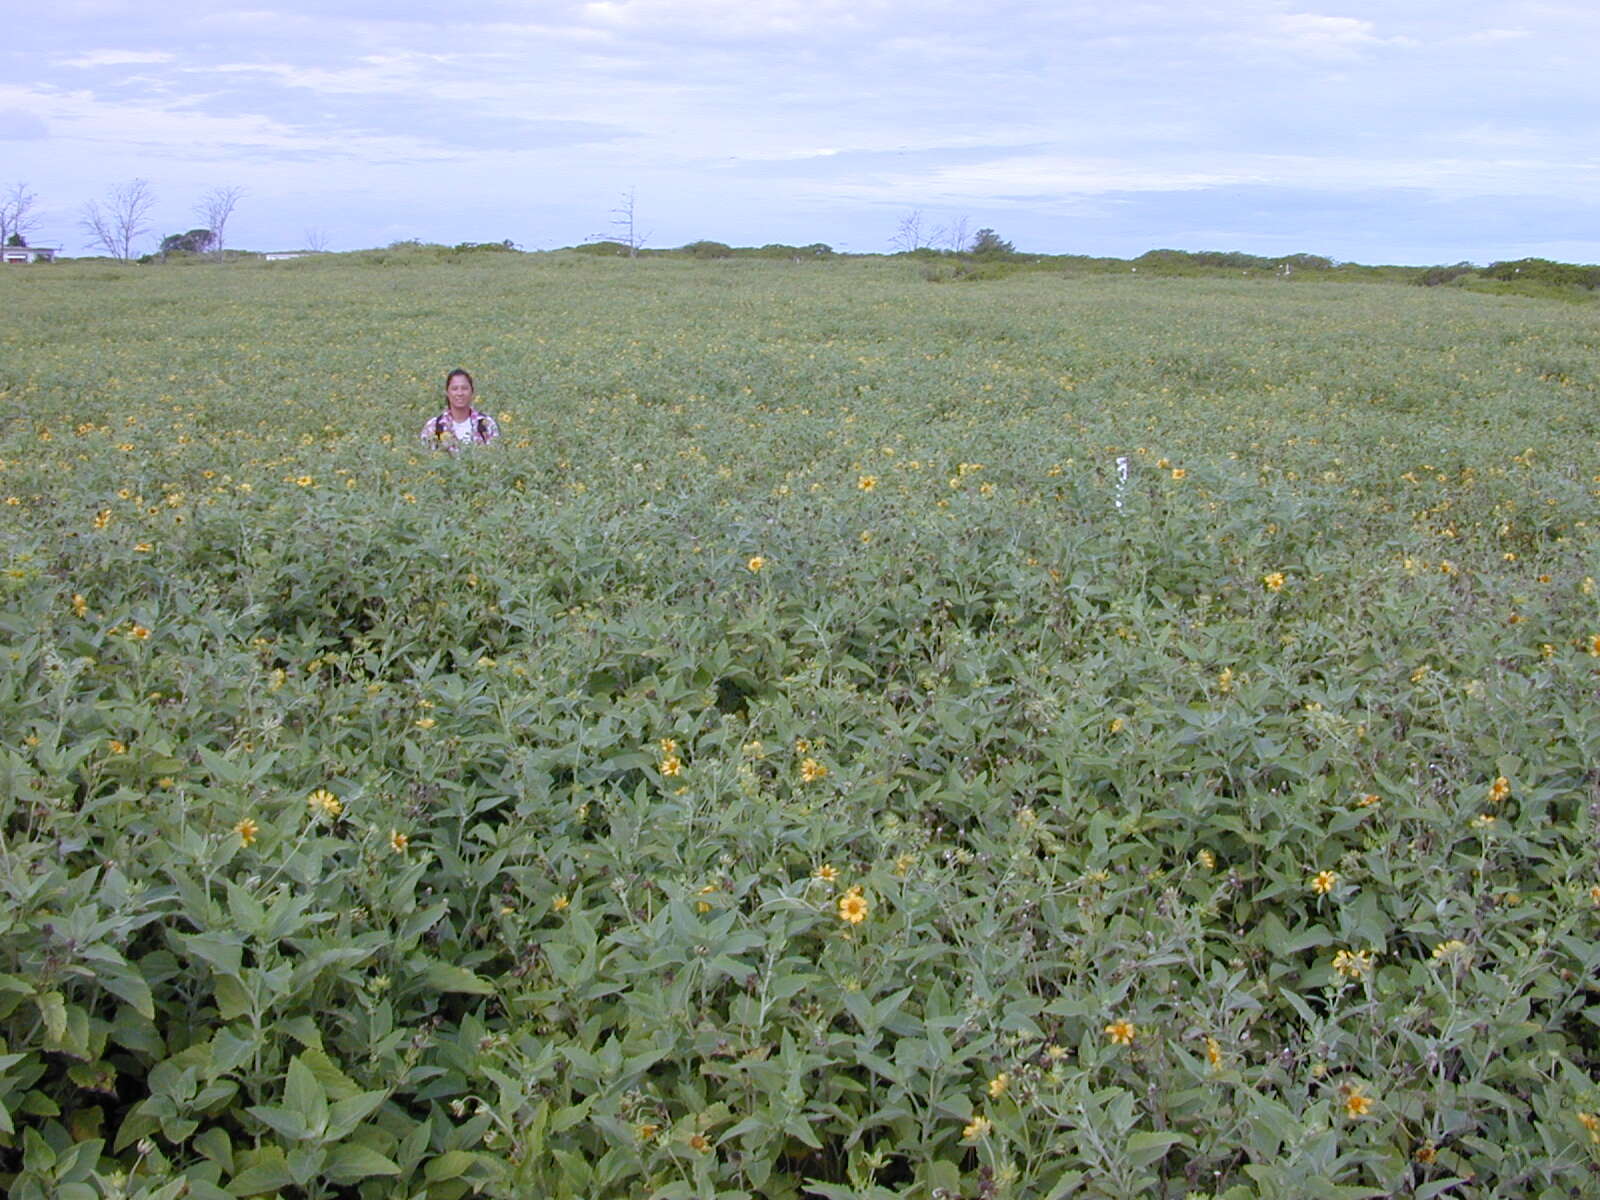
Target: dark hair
x: 467, y: 375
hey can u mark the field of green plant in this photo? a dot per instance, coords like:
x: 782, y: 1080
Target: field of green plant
x: 789, y: 763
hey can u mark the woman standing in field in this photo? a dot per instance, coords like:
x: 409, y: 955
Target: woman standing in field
x: 460, y: 424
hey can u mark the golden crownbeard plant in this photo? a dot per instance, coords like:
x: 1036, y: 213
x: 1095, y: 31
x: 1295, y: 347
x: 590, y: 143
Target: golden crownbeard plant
x: 605, y: 814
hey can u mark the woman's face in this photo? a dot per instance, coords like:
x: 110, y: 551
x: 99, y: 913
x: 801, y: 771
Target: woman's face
x: 458, y: 392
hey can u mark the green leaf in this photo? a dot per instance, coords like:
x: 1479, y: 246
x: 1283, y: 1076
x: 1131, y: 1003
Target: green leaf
x: 452, y: 1164
x: 348, y: 1164
x: 215, y: 1145
x: 303, y: 1094
x: 447, y: 977
x: 53, y: 1011
x: 305, y: 1163
x: 1146, y: 1147
x: 345, y: 1115
x: 233, y: 1000
x: 285, y: 1122
x: 128, y: 985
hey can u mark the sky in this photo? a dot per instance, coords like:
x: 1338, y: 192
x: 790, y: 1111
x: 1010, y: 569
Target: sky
x: 1402, y: 131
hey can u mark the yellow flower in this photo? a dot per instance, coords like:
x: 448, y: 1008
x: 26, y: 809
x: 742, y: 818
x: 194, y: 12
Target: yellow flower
x: 139, y: 633
x: 102, y: 518
x: 903, y: 864
x: 1368, y: 799
x: 1484, y: 820
x: 1352, y: 963
x: 671, y: 765
x: 1122, y: 1032
x: 1592, y: 1123
x: 79, y: 604
x: 1594, y: 645
x: 1273, y: 581
x: 699, y: 1143
x: 1324, y: 882
x: 811, y: 770
x: 826, y: 873
x: 976, y: 1128
x: 646, y: 1130
x: 668, y: 745
x: 143, y: 547
x: 997, y: 1085
x: 247, y: 831
x: 1214, y: 1053
x: 1450, y: 949
x: 1594, y: 894
x: 867, y: 482
x: 1115, y: 726
x: 325, y: 802
x: 1208, y: 860
x: 755, y: 563
x: 853, y: 907
x: 1356, y: 1102
x: 1225, y: 680
x: 303, y: 481
x: 117, y: 747
x: 560, y: 903
x: 398, y: 842
x: 1426, y: 1153
x: 1178, y: 472
x: 425, y: 722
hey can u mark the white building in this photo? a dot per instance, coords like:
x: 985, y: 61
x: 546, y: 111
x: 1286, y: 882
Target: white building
x: 27, y: 254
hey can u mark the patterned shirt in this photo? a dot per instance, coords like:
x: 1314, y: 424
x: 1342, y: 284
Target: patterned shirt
x: 479, y: 429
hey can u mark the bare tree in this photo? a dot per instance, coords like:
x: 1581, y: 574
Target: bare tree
x: 16, y: 215
x: 910, y: 234
x: 125, y: 218
x: 958, y: 236
x: 316, y: 240
x: 215, y: 207
x: 624, y: 219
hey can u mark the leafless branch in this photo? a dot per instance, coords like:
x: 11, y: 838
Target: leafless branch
x: 16, y: 214
x: 214, y: 209
x: 125, y: 218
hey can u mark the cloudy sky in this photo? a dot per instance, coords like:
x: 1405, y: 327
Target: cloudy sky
x: 1410, y: 131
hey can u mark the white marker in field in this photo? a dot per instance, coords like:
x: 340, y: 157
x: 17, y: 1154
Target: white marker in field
x: 1122, y: 479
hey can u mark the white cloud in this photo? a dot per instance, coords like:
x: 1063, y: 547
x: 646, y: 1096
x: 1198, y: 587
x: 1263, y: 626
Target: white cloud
x: 115, y: 58
x: 136, y: 130
x: 1492, y: 36
x: 1047, y: 177
x: 1320, y: 36
x: 719, y: 19
x: 372, y: 74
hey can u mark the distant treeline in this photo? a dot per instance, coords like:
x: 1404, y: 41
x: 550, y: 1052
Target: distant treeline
x: 1525, y: 275
x: 992, y: 258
